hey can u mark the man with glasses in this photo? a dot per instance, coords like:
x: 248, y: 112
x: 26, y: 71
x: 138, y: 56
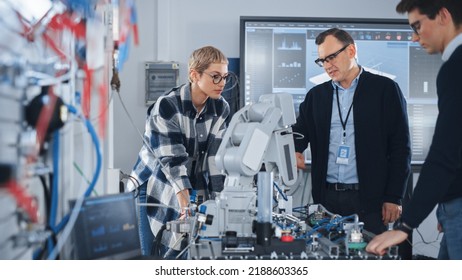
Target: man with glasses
x: 184, y: 129
x: 357, y: 127
x: 437, y: 26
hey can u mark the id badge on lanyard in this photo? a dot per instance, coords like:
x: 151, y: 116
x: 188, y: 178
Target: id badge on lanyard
x: 343, y: 152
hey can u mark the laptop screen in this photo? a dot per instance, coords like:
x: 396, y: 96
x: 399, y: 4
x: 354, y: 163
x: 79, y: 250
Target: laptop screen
x: 107, y: 228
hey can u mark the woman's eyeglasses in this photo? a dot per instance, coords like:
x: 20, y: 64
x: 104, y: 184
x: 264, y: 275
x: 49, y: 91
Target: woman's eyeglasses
x: 217, y: 78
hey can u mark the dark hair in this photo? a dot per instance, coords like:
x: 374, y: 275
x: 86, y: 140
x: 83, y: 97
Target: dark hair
x: 431, y: 8
x: 340, y: 34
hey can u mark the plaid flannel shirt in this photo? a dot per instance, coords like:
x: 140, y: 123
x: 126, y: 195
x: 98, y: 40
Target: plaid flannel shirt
x: 176, y: 132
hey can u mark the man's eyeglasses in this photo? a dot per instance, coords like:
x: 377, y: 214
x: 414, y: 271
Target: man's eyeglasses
x: 329, y: 58
x: 416, y: 25
x: 216, y: 78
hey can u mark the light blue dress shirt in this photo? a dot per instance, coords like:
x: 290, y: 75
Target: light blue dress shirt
x: 342, y: 173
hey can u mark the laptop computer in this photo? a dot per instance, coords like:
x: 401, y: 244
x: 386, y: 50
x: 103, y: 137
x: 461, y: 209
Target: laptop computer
x: 107, y: 228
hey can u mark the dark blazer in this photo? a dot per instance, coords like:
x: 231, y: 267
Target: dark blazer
x: 383, y: 152
x: 440, y: 179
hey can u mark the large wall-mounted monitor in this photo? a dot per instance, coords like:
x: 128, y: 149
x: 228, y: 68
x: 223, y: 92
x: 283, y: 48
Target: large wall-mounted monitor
x: 277, y: 55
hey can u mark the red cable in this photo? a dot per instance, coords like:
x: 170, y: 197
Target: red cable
x: 103, y: 89
x: 44, y: 117
x: 23, y: 200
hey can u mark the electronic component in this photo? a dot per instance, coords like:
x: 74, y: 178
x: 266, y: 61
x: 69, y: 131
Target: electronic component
x: 257, y: 155
x: 106, y: 228
x: 160, y: 77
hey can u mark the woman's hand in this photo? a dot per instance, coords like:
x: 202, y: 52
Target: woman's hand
x: 183, y: 200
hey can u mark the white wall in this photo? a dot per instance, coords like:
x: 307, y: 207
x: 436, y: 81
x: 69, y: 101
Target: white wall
x: 127, y: 142
x: 171, y: 29
x: 193, y: 24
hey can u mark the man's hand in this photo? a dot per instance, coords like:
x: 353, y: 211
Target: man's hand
x: 300, y: 160
x: 390, y: 212
x: 380, y: 243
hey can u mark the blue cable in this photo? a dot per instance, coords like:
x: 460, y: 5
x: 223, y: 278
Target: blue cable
x: 90, y: 188
x: 94, y: 137
x: 59, y: 227
x: 280, y: 191
x: 54, y: 192
x: 98, y: 157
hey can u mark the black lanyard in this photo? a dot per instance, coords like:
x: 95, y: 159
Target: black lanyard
x: 340, y: 114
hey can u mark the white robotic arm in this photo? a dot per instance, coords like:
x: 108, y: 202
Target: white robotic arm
x: 258, y: 134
